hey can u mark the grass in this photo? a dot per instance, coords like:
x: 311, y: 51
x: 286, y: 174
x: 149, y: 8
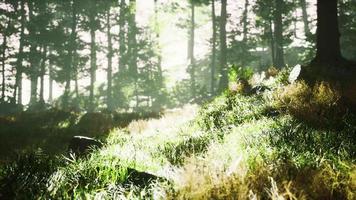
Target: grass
x: 235, y: 147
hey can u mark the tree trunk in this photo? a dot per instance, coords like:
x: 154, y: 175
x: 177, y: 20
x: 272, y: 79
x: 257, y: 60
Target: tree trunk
x: 92, y: 63
x: 223, y: 48
x: 213, y: 56
x: 244, y: 20
x: 18, y: 78
x: 303, y: 5
x: 159, y: 64
x: 71, y: 51
x: 328, y: 36
x: 132, y: 48
x: 42, y: 74
x: 50, y: 76
x: 3, y: 63
x: 278, y: 34
x: 272, y: 43
x: 33, y: 60
x: 191, y: 50
x: 122, y: 37
x: 109, y: 56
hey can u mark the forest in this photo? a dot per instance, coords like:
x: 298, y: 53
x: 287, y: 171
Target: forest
x: 178, y: 99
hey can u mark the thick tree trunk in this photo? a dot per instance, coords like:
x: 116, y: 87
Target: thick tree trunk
x: 278, y: 34
x: 109, y: 56
x: 328, y: 36
x: 191, y: 57
x: 328, y: 64
x: 223, y: 84
x: 213, y: 56
x: 303, y: 5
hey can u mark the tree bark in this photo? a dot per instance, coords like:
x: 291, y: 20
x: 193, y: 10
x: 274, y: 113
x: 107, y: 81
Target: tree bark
x: 278, y: 34
x: 159, y: 64
x: 71, y: 51
x: 328, y: 35
x: 122, y: 37
x: 109, y: 56
x: 50, y: 77
x: 223, y: 84
x: 213, y: 56
x: 92, y: 61
x: 33, y: 59
x: 42, y: 74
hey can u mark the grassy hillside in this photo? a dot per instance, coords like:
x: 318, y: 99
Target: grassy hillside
x: 288, y: 142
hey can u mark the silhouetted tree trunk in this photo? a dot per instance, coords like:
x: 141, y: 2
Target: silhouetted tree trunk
x: 122, y: 37
x: 328, y: 36
x: 213, y: 56
x: 50, y: 77
x: 19, y: 67
x: 132, y: 47
x: 159, y: 65
x: 244, y: 20
x: 303, y: 5
x: 244, y: 32
x: 278, y: 34
x: 191, y: 42
x: 92, y: 61
x: 272, y: 42
x: 223, y: 84
x: 328, y: 64
x: 33, y: 58
x: 109, y: 56
x: 42, y: 74
x: 71, y: 51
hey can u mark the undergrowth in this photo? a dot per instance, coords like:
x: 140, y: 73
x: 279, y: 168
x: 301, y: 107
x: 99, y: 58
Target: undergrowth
x: 293, y: 142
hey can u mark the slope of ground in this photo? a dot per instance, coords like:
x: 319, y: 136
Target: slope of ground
x: 235, y: 147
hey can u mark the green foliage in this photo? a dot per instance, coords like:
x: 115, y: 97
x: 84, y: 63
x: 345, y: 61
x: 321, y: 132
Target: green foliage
x: 229, y: 109
x: 240, y: 73
x: 27, y: 176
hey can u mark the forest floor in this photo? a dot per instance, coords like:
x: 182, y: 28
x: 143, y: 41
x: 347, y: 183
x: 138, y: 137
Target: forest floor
x: 281, y: 143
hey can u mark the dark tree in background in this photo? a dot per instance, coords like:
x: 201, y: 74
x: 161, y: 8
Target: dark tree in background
x: 329, y: 64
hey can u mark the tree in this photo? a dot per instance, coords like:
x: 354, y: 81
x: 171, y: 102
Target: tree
x: 110, y: 52
x: 278, y: 33
x: 223, y: 84
x: 329, y: 64
x: 213, y: 56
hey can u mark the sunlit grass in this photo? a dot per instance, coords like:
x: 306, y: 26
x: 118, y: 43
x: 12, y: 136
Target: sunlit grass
x: 230, y: 149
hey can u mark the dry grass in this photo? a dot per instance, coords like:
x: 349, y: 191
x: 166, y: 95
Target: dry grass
x: 318, y: 105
